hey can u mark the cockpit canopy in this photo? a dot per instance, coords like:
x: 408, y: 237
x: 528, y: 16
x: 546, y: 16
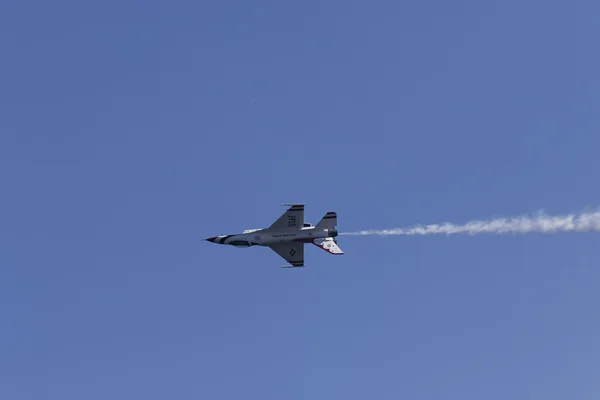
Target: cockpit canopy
x: 306, y: 225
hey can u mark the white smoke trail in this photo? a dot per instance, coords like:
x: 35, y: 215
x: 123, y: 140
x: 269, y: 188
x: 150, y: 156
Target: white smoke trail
x: 540, y: 222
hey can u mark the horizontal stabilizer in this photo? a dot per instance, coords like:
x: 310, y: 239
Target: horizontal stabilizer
x: 329, y: 221
x: 329, y: 245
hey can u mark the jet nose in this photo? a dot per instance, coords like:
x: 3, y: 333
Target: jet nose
x: 211, y: 239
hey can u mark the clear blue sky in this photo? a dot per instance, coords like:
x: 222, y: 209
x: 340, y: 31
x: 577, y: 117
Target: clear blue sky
x: 132, y: 130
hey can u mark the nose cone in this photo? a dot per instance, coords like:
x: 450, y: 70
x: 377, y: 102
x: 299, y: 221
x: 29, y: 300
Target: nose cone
x: 212, y: 239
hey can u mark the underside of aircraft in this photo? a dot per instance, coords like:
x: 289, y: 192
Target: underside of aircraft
x: 288, y: 235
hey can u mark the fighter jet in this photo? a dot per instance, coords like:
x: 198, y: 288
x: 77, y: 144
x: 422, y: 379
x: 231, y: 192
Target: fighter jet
x: 288, y: 235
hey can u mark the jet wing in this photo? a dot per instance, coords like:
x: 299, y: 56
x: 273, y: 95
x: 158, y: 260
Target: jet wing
x: 292, y: 219
x: 328, y: 244
x: 292, y: 252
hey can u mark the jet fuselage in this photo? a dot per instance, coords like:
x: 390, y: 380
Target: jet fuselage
x: 265, y: 237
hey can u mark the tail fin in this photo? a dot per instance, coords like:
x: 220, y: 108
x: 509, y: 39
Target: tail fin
x: 329, y: 221
x: 328, y: 244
